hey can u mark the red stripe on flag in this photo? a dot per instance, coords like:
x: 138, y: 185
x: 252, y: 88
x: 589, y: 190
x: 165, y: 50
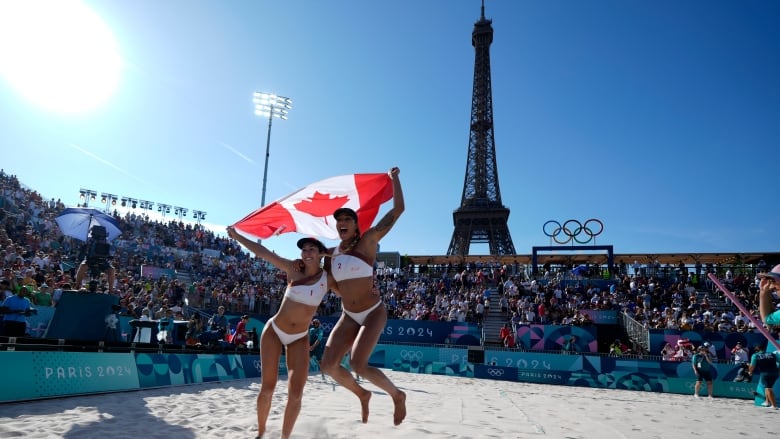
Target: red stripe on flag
x: 267, y: 221
x: 373, y: 190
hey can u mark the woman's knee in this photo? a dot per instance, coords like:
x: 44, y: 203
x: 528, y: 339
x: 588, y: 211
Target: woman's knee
x: 359, y: 367
x: 266, y: 394
x: 295, y: 393
x: 327, y: 364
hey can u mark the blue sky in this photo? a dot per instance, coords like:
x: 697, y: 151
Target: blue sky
x: 660, y: 118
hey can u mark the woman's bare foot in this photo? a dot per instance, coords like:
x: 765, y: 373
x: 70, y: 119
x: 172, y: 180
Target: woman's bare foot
x: 400, y: 408
x: 364, y: 406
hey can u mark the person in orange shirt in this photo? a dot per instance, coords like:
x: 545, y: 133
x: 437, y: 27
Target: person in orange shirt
x: 505, y: 333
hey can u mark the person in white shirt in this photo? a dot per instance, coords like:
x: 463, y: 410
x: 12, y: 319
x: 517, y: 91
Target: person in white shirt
x: 711, y: 348
x: 741, y: 318
x: 740, y: 354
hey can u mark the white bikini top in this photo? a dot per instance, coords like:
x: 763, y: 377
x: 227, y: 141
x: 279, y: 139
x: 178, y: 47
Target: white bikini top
x: 351, y: 265
x: 308, y: 294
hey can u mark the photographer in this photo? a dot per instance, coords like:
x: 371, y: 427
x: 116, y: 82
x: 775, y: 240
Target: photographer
x: 218, y: 325
x: 96, y: 259
x: 15, y: 310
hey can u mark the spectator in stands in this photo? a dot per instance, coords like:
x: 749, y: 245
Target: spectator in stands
x: 614, y: 349
x: 766, y: 364
x: 42, y: 297
x: 515, y: 321
x: 15, y: 311
x: 504, y: 333
x: 740, y: 354
x: 241, y: 336
x: 218, y: 325
x: 165, y: 327
x: 509, y: 341
x: 530, y: 315
x: 480, y: 312
x: 305, y: 290
x: 667, y: 353
x: 194, y: 330
x: 503, y: 302
x: 725, y: 325
x: 711, y: 349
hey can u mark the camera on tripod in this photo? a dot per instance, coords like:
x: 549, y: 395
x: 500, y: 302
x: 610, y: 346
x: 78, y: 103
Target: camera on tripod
x: 98, y: 253
x: 98, y: 249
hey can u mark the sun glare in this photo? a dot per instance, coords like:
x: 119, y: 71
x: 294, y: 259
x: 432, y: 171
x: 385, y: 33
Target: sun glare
x: 58, y: 54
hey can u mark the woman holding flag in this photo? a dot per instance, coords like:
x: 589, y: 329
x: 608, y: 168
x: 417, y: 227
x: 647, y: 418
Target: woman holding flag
x: 363, y: 320
x: 307, y: 283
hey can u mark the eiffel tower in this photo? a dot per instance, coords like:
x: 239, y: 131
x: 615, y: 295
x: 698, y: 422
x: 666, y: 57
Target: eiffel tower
x: 481, y: 218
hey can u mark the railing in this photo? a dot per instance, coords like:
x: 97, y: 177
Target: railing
x: 636, y: 331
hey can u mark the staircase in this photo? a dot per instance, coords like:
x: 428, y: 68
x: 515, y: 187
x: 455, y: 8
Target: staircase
x: 718, y: 305
x: 493, y: 321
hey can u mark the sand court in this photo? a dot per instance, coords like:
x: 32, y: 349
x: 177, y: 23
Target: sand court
x: 438, y: 407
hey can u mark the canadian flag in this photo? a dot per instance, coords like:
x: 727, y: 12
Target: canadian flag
x: 310, y: 210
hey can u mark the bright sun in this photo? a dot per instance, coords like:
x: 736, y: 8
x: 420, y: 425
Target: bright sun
x: 58, y: 54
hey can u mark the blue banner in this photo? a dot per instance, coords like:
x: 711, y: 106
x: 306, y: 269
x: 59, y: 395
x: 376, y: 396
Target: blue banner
x: 420, y: 331
x: 553, y: 337
x: 51, y: 374
x: 495, y: 372
x: 724, y: 342
x: 416, y: 331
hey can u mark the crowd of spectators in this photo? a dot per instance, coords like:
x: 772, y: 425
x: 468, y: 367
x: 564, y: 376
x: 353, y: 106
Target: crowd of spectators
x: 36, y: 257
x: 215, y: 271
x: 658, y: 303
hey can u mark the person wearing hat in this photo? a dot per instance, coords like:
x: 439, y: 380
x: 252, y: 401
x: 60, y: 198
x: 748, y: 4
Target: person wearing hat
x: 766, y: 364
x: 42, y: 297
x: 702, y: 367
x: 711, y: 349
x: 768, y: 284
x: 364, y: 315
x: 288, y: 329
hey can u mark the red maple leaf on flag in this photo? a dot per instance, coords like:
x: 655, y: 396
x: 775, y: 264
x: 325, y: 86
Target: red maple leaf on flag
x: 321, y: 205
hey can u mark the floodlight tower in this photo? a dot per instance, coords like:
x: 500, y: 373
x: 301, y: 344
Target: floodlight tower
x: 270, y: 105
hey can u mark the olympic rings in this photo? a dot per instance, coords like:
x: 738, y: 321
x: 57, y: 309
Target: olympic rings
x: 572, y: 230
x: 495, y: 372
x: 411, y: 355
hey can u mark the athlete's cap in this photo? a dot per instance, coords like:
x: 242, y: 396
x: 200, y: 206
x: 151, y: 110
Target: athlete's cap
x: 313, y: 241
x: 774, y: 274
x: 345, y: 211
